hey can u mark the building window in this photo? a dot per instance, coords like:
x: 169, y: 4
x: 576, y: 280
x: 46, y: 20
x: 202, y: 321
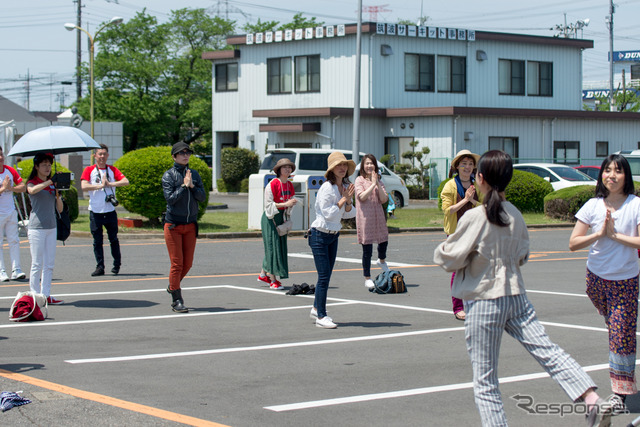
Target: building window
x: 539, y: 78
x: 504, y: 143
x: 278, y: 75
x: 308, y: 73
x: 226, y: 77
x: 418, y: 72
x: 567, y: 152
x: 511, y: 76
x: 602, y: 148
x: 452, y: 74
x: 635, y: 72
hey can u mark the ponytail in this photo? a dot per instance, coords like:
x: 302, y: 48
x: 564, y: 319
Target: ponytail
x: 496, y: 168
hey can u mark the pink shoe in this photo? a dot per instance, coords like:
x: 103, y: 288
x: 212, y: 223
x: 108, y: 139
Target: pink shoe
x: 276, y: 285
x: 264, y: 279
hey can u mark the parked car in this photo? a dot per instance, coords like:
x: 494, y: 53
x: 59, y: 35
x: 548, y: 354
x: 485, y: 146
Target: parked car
x: 592, y: 171
x: 560, y: 176
x: 633, y: 157
x: 313, y: 161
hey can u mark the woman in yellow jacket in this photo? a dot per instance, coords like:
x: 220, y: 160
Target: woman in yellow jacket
x: 458, y: 196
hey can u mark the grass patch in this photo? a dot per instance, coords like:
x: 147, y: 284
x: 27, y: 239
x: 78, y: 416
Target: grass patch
x: 231, y: 222
x: 211, y: 222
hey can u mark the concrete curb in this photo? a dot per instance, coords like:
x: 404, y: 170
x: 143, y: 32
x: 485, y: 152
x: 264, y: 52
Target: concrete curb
x: 296, y: 233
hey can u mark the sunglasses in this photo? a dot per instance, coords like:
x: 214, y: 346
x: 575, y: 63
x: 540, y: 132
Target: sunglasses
x: 185, y: 153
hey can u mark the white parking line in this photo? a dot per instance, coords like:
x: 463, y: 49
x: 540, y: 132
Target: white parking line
x: 411, y: 392
x: 355, y: 260
x: 264, y: 347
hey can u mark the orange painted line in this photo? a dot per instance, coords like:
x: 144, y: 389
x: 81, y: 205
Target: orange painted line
x: 111, y: 401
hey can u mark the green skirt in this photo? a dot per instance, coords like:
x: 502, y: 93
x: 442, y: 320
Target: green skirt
x: 275, y: 247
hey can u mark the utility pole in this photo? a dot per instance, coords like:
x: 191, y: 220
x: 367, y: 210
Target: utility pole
x: 355, y: 152
x: 78, y: 50
x: 610, y: 22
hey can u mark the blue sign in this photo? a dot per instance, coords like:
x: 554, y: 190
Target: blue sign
x: 591, y: 94
x: 626, y: 56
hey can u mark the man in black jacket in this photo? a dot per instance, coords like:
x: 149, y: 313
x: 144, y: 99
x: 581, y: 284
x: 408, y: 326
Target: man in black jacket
x: 183, y: 190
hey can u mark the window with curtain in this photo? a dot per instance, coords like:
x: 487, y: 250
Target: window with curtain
x: 418, y: 72
x: 227, y: 77
x: 511, y: 77
x: 452, y: 74
x: 308, y: 73
x: 278, y: 75
x: 539, y: 78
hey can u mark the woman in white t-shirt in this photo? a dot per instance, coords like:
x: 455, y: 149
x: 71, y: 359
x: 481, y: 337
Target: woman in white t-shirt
x: 612, y: 265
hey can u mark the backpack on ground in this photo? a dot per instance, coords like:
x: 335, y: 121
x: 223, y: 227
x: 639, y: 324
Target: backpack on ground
x: 389, y: 282
x: 28, y: 306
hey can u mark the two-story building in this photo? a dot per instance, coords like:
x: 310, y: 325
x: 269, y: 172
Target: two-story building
x: 447, y: 88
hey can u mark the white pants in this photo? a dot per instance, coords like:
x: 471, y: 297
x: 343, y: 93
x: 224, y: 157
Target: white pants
x: 9, y: 228
x: 43, y: 257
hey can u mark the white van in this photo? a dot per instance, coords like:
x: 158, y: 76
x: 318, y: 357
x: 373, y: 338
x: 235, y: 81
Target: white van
x: 633, y: 157
x: 313, y: 161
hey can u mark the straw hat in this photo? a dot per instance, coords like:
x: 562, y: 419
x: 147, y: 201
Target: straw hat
x: 335, y: 159
x: 464, y: 153
x: 281, y: 163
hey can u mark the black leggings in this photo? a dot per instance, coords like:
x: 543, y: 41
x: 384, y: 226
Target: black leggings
x: 367, y: 251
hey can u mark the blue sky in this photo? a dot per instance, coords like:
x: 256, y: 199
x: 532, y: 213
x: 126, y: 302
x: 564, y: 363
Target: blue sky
x: 34, y: 42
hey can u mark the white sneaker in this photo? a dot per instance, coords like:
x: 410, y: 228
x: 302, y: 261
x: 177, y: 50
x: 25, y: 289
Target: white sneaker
x: 326, y: 323
x: 314, y: 313
x: 369, y: 284
x: 383, y: 265
x: 3, y: 276
x: 17, y: 274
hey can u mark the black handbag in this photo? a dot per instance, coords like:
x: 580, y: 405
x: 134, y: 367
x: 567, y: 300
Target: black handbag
x: 63, y: 223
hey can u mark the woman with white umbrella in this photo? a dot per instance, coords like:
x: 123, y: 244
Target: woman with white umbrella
x: 42, y: 233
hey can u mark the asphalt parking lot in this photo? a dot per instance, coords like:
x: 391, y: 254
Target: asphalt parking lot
x: 245, y: 355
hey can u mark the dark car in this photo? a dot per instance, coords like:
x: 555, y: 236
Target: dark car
x: 592, y: 171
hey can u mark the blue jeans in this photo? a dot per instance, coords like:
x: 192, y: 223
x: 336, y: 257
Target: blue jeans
x: 325, y: 248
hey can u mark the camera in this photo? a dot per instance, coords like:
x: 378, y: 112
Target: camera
x: 111, y: 199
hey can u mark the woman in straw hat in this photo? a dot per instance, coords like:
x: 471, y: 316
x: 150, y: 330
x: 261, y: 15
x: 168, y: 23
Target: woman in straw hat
x: 278, y: 202
x: 458, y: 196
x: 333, y: 202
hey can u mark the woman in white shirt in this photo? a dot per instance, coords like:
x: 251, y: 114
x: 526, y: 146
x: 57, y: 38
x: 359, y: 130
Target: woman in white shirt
x: 612, y: 265
x: 334, y: 201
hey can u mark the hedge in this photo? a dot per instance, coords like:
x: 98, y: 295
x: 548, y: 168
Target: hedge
x: 565, y: 203
x: 526, y: 191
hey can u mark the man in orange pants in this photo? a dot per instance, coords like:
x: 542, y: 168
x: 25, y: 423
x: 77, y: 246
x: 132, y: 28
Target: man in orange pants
x: 183, y: 189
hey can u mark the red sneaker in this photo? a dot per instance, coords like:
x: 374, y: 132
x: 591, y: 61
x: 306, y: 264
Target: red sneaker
x: 276, y: 285
x: 53, y: 301
x: 264, y: 279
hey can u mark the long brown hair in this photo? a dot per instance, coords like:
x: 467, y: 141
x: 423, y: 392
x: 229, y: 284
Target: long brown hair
x: 496, y: 168
x: 375, y: 164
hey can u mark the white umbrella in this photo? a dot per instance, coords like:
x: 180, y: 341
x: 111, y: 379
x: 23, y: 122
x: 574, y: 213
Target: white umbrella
x: 53, y: 139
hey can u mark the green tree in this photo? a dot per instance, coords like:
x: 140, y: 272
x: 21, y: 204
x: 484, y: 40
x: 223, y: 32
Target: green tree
x: 151, y: 77
x: 627, y: 100
x: 420, y: 172
x: 300, y: 22
x: 260, y: 27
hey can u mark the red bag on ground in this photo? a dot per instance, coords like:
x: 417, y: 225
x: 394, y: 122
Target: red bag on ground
x: 28, y: 307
